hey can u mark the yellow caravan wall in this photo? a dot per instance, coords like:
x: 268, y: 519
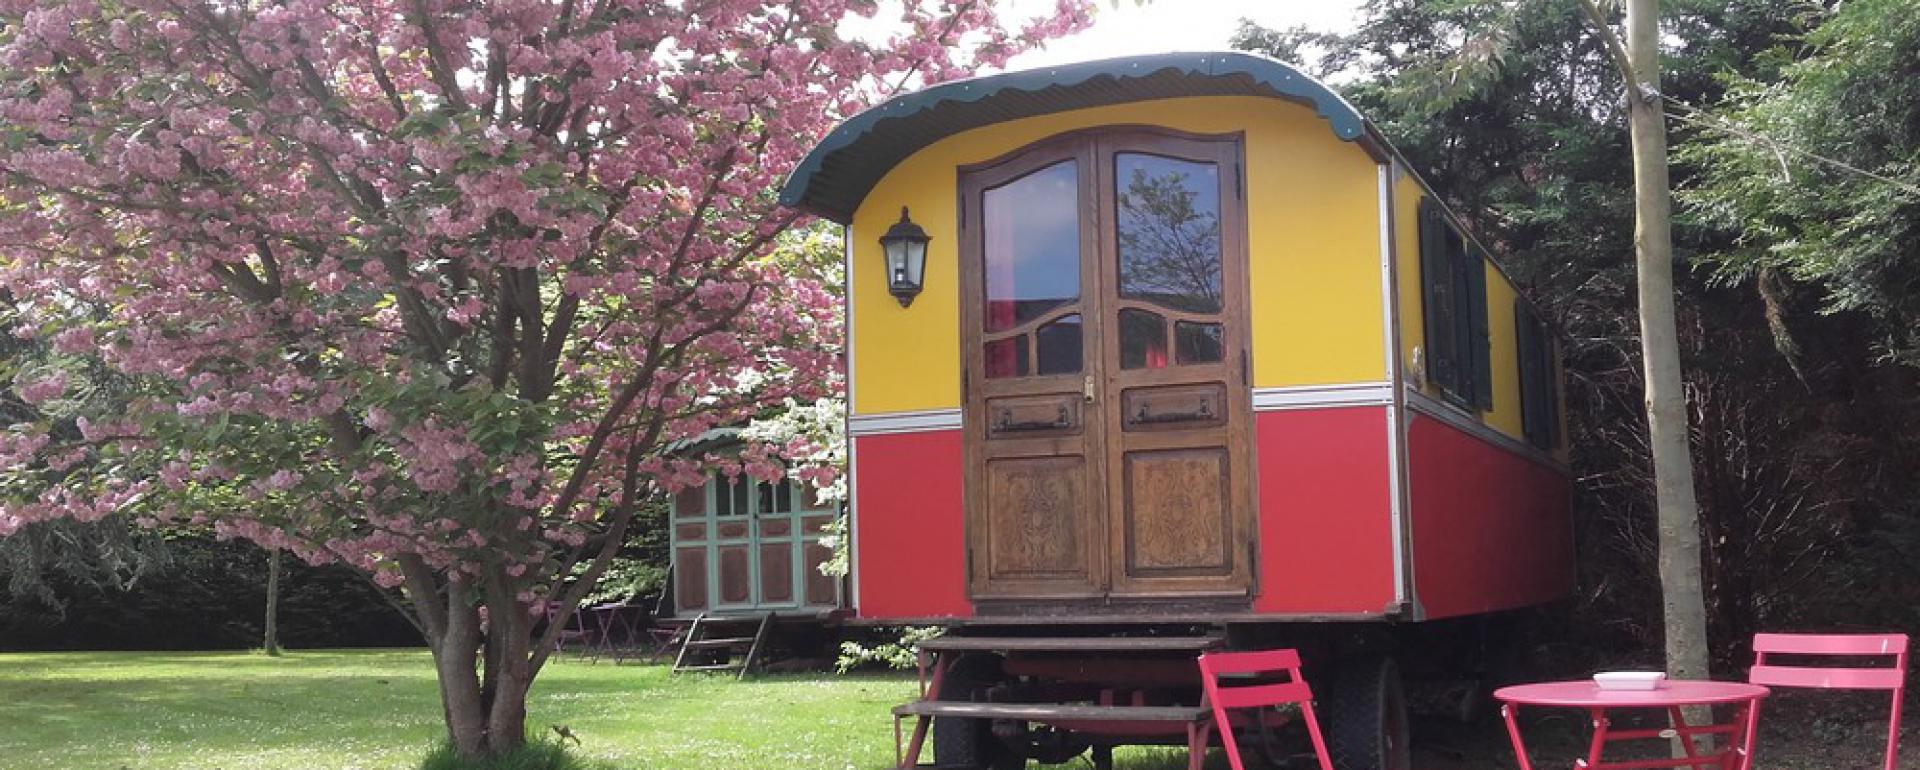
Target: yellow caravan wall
x: 1502, y: 339
x: 1313, y: 245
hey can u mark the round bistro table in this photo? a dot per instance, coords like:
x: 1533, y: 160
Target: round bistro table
x: 1735, y: 753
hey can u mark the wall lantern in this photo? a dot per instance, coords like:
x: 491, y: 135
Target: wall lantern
x: 905, y: 245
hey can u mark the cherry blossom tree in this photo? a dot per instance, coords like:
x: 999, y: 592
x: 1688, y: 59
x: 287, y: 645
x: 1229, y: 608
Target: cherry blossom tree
x: 424, y: 285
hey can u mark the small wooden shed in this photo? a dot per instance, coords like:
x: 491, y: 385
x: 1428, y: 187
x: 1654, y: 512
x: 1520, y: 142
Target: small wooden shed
x: 744, y: 547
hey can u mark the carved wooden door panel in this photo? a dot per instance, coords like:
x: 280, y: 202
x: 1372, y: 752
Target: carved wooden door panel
x: 1172, y: 296
x: 1036, y: 500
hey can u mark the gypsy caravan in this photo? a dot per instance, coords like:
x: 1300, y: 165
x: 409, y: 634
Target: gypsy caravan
x: 1170, y: 347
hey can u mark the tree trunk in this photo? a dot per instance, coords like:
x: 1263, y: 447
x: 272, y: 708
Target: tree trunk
x: 1685, y: 605
x: 1679, y: 518
x: 483, y: 662
x: 272, y: 641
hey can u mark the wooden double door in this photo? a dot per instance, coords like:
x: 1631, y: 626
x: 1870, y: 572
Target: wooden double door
x: 1107, y: 409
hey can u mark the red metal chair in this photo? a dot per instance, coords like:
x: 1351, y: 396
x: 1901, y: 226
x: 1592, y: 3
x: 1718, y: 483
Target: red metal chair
x: 1770, y: 673
x: 1263, y: 664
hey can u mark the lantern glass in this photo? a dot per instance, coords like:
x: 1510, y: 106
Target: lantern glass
x: 905, y: 248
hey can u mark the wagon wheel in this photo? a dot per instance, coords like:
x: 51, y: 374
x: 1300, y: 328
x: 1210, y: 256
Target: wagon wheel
x: 970, y: 743
x: 1366, y: 715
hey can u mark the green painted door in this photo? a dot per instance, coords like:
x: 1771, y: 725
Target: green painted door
x: 744, y: 546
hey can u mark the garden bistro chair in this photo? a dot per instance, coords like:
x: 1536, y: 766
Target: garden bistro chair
x: 576, y: 633
x: 1766, y: 671
x: 1260, y: 665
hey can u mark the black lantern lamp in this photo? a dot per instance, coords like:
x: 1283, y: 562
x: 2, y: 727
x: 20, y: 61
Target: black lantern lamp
x: 905, y: 245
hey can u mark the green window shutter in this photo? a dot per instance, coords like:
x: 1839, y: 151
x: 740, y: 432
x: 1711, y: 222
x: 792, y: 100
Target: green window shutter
x: 1539, y: 378
x: 1550, y: 385
x: 1436, y: 295
x: 1479, y: 346
x: 1459, y: 387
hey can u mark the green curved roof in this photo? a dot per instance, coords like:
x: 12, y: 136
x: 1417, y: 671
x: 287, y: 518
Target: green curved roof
x: 839, y: 172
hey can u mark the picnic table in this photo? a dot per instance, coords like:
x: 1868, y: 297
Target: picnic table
x: 1673, y: 697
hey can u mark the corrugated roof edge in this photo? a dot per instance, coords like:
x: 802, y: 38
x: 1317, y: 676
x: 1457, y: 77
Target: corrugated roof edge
x: 1282, y: 79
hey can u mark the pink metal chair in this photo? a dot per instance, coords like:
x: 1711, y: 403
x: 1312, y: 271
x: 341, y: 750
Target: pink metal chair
x: 1263, y: 664
x: 1770, y: 673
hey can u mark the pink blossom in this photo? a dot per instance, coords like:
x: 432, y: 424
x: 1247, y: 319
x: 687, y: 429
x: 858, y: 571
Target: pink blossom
x: 42, y: 390
x: 397, y: 318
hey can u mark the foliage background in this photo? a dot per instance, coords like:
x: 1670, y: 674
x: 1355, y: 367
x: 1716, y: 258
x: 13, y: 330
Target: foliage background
x: 1806, y: 421
x: 204, y: 595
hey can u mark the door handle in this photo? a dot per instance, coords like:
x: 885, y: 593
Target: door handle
x: 1146, y: 417
x: 1086, y: 390
x: 1007, y: 425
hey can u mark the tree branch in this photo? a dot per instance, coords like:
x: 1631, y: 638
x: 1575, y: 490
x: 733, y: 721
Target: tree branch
x: 1616, y: 50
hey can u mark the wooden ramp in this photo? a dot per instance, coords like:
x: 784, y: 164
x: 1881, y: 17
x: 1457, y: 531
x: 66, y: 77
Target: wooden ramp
x: 714, y: 643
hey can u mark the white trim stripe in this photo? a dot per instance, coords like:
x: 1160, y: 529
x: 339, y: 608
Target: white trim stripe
x: 1320, y: 396
x: 1264, y: 399
x: 1396, y: 507
x: 853, y: 480
x: 903, y: 422
x: 1451, y: 415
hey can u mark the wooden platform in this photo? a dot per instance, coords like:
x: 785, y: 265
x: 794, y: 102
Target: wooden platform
x: 1095, y: 644
x: 1046, y: 712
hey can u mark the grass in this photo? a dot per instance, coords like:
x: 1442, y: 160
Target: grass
x: 377, y: 709
x: 355, y: 710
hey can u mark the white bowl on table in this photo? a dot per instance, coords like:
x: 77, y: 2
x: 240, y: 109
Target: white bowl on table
x: 1630, y: 680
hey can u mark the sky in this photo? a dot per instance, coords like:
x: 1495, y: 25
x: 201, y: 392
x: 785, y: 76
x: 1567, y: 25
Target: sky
x: 1124, y: 27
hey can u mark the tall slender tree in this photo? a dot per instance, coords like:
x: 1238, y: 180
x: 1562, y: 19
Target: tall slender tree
x: 270, y: 635
x: 1682, y: 590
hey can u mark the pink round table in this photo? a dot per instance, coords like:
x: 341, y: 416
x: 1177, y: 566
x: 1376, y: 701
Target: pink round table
x: 1736, y: 752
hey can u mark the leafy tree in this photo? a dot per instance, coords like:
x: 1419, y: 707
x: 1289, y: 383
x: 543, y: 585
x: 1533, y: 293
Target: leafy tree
x: 1682, y: 587
x: 1514, y: 113
x: 1816, y: 172
x: 424, y: 286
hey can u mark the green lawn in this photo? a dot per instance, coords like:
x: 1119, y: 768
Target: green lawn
x: 378, y: 709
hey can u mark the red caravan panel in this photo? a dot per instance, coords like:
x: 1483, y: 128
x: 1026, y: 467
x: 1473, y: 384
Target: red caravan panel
x: 1326, y: 531
x: 910, y: 526
x: 1325, y: 518
x: 1491, y: 529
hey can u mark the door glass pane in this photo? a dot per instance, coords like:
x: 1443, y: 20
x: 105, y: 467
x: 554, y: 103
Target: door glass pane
x: 1167, y: 231
x: 1195, y: 343
x: 1031, y: 239
x: 1143, y: 340
x: 1007, y: 358
x: 730, y: 497
x: 776, y: 497
x: 1059, y: 345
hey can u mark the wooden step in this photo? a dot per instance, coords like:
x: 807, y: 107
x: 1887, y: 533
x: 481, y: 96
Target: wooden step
x: 1072, y: 644
x: 727, y: 642
x: 1042, y: 712
x: 717, y: 667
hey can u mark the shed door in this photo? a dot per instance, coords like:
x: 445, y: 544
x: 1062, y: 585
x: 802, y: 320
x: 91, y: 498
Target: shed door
x: 742, y: 545
x: 1107, y: 407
